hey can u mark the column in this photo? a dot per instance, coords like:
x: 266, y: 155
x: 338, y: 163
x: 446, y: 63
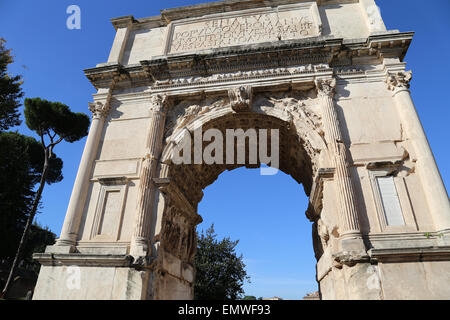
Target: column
x: 435, y: 192
x: 74, y: 212
x: 146, y: 193
x: 348, y: 215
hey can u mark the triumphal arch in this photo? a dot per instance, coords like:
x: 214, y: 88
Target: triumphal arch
x: 325, y: 75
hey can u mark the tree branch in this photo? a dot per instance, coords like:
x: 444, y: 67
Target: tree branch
x: 42, y: 137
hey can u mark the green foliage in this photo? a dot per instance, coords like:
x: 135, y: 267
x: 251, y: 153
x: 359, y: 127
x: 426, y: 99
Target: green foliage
x: 10, y: 91
x: 38, y: 238
x: 220, y: 273
x: 21, y: 162
x: 55, y: 118
x: 249, y: 298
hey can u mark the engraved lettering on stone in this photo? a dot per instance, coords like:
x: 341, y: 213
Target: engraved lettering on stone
x: 231, y: 31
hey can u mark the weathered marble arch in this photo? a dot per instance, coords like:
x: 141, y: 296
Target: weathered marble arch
x: 328, y: 76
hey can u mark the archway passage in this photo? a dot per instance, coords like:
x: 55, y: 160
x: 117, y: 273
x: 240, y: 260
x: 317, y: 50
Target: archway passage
x: 191, y: 179
x: 276, y: 125
x: 266, y: 215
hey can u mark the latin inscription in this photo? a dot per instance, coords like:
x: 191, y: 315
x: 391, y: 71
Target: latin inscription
x: 247, y: 29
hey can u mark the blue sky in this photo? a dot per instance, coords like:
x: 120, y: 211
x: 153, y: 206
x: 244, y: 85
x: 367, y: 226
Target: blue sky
x: 265, y: 212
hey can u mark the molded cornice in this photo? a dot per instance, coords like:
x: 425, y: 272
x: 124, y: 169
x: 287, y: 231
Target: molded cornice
x: 331, y: 51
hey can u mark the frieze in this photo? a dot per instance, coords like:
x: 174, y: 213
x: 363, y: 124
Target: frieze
x: 238, y: 75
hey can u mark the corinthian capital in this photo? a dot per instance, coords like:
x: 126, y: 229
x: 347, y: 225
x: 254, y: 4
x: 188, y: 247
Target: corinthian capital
x: 99, y: 109
x: 399, y: 80
x: 325, y: 87
x: 159, y: 102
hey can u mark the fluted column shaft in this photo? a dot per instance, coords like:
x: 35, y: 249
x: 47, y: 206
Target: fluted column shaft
x: 69, y: 232
x: 348, y: 214
x: 146, y: 192
x: 435, y: 192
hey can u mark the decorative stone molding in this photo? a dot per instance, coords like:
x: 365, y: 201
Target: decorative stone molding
x: 326, y: 87
x: 122, y: 22
x: 263, y: 73
x: 113, y: 181
x: 240, y: 98
x: 216, y: 65
x: 78, y: 259
x: 188, y: 109
x: 160, y: 103
x: 399, y: 81
x: 410, y: 254
x: 110, y: 209
x: 349, y: 258
x: 99, y: 109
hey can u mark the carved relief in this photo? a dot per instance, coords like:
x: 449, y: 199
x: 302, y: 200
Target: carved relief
x: 299, y: 107
x: 178, y: 234
x: 240, y: 75
x: 298, y: 104
x: 186, y: 111
x: 240, y: 98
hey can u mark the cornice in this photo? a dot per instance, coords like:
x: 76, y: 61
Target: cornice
x: 122, y: 22
x: 410, y: 254
x: 52, y: 259
x: 161, y: 70
x: 104, y: 75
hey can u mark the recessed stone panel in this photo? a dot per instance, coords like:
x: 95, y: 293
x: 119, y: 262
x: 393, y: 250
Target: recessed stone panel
x: 244, y: 27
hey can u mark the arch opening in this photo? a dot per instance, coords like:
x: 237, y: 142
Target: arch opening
x: 191, y: 179
x: 274, y: 235
x: 291, y: 114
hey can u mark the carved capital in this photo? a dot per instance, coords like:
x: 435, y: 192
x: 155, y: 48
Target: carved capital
x: 99, y: 109
x: 159, y: 103
x: 240, y: 98
x: 399, y: 80
x: 325, y: 87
